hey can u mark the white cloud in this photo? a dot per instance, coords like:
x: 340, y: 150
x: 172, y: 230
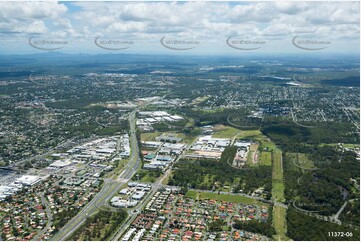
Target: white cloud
x: 31, y: 10
x: 36, y: 27
x: 149, y: 21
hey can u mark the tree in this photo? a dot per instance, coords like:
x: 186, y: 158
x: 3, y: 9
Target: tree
x: 183, y: 190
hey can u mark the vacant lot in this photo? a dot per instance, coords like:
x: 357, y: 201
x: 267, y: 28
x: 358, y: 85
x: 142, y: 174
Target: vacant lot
x: 223, y: 197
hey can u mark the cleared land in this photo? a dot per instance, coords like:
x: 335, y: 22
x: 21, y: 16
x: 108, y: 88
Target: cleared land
x: 223, y: 197
x: 300, y: 161
x: 149, y: 136
x: 277, y: 171
x: 278, y: 191
x: 222, y: 131
x: 279, y: 223
x: 278, y: 187
x: 252, y: 159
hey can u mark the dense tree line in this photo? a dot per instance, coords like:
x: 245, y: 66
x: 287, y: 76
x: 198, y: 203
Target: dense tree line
x: 61, y: 218
x: 100, y: 226
x: 294, y: 138
x: 326, y: 188
x: 303, y: 227
x: 218, y: 116
x: 254, y: 226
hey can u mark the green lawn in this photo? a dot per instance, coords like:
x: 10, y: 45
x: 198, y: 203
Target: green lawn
x: 279, y: 223
x: 223, y: 197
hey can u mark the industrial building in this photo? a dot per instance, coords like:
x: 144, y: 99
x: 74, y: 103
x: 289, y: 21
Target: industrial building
x: 208, y: 147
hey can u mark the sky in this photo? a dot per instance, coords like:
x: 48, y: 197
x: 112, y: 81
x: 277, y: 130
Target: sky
x: 227, y: 28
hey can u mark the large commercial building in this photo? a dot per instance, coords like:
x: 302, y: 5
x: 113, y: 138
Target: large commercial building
x: 28, y: 180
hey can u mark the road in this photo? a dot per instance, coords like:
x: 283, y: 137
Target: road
x: 116, y: 236
x: 296, y: 122
x: 155, y: 186
x: 49, y: 215
x: 109, y: 188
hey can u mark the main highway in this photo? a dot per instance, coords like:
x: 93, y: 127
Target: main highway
x: 109, y: 188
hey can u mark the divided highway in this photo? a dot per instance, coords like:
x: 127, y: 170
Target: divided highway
x: 109, y: 189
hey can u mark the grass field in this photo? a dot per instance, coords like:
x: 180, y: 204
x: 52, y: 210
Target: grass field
x: 303, y: 161
x: 277, y: 171
x: 351, y: 145
x: 265, y: 142
x: 344, y: 145
x: 190, y: 123
x: 119, y: 169
x: 149, y: 136
x: 165, y: 181
x: 277, y: 177
x: 146, y: 176
x: 278, y: 189
x: 187, y: 138
x: 199, y: 100
x: 222, y: 131
x: 223, y: 197
x: 265, y: 158
x: 279, y: 223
